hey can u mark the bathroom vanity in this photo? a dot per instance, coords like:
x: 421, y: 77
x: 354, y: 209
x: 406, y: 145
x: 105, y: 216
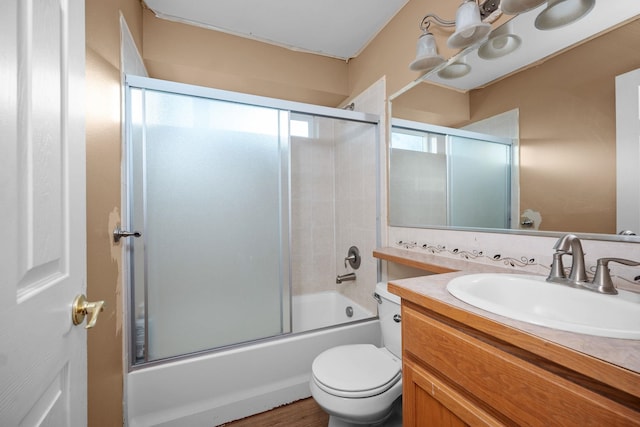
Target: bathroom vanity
x: 465, y: 366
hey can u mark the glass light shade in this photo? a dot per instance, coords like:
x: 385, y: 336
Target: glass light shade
x: 426, y: 54
x: 514, y: 7
x: 469, y: 26
x: 454, y: 70
x: 499, y: 46
x: 559, y: 13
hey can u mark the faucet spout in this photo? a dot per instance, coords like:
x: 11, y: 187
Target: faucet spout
x: 345, y: 277
x: 570, y: 244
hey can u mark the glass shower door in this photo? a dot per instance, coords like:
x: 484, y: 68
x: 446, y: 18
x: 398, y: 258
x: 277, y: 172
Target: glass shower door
x: 208, y: 184
x: 479, y: 183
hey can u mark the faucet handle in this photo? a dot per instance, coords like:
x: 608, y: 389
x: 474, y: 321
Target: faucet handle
x: 557, y: 268
x: 353, y: 258
x: 602, y: 280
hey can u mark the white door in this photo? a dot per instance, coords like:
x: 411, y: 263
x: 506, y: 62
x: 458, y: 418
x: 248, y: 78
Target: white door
x: 628, y: 151
x: 42, y: 213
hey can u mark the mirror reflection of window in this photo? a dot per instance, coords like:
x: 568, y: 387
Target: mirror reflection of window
x: 407, y: 139
x: 300, y: 126
x: 417, y: 182
x: 448, y: 177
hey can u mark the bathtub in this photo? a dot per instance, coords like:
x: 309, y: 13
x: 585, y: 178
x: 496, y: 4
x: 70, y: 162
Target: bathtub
x: 227, y: 385
x: 323, y: 309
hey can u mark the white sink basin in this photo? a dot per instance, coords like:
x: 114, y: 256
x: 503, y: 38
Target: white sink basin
x: 531, y: 299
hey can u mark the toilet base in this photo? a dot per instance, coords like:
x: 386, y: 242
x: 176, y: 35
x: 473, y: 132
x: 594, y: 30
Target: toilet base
x: 394, y: 420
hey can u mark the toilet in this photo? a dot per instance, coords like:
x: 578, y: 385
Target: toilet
x: 360, y: 384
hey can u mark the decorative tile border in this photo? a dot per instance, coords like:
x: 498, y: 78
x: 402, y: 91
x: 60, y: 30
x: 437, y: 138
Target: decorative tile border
x: 436, y: 249
x: 522, y: 262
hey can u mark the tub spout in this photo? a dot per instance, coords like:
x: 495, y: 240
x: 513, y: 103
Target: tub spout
x: 345, y: 277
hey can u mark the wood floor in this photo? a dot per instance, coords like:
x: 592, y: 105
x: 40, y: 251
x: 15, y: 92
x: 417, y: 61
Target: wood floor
x: 303, y: 413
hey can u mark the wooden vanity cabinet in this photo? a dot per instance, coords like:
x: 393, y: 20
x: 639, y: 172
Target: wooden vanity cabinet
x: 455, y: 375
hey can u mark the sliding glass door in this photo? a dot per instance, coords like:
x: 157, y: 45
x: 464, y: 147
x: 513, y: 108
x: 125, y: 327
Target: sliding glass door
x: 208, y: 186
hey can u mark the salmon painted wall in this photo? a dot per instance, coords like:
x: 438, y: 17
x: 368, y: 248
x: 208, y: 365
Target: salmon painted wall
x: 194, y: 55
x: 103, y: 139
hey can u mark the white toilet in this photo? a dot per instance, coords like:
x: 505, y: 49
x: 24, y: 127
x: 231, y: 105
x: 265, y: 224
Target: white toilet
x: 358, y: 384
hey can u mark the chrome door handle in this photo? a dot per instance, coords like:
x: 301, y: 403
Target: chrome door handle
x: 118, y: 233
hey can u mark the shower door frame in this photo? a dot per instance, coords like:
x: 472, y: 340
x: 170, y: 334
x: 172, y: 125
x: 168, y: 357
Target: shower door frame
x: 290, y: 107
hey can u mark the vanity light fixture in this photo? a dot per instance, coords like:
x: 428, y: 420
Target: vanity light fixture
x: 514, y: 7
x: 498, y: 46
x: 472, y: 26
x: 469, y: 30
x: 426, y: 53
x: 469, y: 27
x: 455, y: 70
x: 557, y: 13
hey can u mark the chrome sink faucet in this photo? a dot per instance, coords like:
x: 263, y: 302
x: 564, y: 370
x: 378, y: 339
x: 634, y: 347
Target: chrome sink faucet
x: 569, y: 244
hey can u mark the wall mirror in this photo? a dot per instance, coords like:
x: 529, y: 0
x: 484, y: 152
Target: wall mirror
x: 564, y: 106
x: 450, y: 177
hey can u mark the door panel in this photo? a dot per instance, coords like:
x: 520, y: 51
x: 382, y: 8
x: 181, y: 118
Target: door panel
x: 42, y: 215
x: 40, y: 246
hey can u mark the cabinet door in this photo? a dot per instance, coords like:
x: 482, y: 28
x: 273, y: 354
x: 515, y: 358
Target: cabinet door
x: 430, y: 402
x: 520, y: 387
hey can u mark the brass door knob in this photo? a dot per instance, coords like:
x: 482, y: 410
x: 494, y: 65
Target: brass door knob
x: 81, y: 308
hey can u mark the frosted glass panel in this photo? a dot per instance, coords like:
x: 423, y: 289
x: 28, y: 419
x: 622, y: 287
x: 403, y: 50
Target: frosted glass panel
x: 418, y: 188
x: 213, y: 222
x: 445, y: 177
x: 479, y: 183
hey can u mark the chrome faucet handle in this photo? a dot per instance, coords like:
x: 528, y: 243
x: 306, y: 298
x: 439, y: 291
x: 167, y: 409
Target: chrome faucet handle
x: 353, y: 258
x: 349, y: 259
x: 557, y: 268
x: 602, y: 280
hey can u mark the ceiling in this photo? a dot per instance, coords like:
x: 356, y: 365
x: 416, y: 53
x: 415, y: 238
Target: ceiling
x: 334, y: 28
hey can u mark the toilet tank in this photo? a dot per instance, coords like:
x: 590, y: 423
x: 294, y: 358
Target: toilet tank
x: 389, y: 314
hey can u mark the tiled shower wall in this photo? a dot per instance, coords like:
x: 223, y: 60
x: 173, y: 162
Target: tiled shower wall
x: 357, y: 182
x: 334, y: 203
x: 313, y: 249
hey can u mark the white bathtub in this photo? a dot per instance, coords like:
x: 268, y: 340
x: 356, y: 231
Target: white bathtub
x: 219, y: 387
x: 322, y: 309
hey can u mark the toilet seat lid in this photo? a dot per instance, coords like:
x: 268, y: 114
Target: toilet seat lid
x: 358, y: 370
